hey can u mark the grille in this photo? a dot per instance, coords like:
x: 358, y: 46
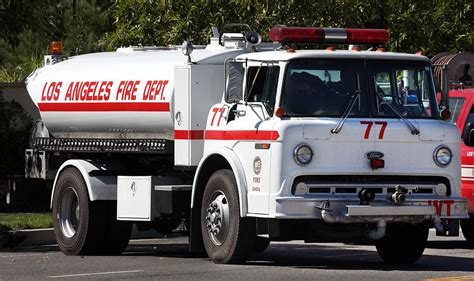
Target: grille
x: 104, y: 145
x: 377, y: 184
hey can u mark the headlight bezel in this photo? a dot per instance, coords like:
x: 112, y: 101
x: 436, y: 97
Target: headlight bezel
x: 436, y: 156
x: 297, y: 155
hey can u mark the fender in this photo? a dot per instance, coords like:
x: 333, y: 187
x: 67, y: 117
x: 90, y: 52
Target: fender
x: 236, y: 167
x: 98, y: 187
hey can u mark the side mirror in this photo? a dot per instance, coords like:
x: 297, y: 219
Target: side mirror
x: 234, y: 81
x: 468, y: 131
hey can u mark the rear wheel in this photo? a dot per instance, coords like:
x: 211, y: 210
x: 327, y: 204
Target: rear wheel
x: 403, y: 243
x: 227, y: 237
x: 82, y: 226
x: 467, y: 227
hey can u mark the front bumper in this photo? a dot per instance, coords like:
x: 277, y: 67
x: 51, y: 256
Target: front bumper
x: 348, y: 211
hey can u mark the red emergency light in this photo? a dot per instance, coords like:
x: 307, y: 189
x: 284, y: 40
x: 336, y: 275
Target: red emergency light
x: 284, y: 34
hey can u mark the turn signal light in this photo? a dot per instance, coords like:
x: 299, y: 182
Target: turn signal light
x: 445, y: 114
x: 280, y: 112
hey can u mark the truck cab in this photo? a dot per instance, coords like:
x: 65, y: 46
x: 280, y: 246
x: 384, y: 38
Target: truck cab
x: 334, y: 145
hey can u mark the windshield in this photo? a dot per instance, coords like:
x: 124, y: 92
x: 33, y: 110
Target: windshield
x: 323, y: 87
x: 319, y: 87
x: 404, y: 86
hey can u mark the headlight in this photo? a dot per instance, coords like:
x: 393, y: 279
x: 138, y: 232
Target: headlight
x: 442, y: 156
x: 303, y: 154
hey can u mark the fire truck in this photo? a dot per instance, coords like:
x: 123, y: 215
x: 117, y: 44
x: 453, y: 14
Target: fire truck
x: 239, y: 143
x: 458, y: 72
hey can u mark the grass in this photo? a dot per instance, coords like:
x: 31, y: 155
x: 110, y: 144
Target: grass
x: 18, y: 221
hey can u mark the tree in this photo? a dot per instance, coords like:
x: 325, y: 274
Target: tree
x: 27, y: 28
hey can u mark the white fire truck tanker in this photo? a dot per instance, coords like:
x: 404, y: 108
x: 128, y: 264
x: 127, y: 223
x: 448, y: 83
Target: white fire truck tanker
x: 241, y: 143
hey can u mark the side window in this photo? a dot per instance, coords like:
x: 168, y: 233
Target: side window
x: 262, y: 85
x: 455, y: 105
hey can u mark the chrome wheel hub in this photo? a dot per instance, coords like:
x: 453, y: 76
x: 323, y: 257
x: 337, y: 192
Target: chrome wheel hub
x: 217, y: 219
x: 69, y: 213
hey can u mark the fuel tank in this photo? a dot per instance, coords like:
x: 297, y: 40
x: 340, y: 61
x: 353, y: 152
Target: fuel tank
x: 122, y: 94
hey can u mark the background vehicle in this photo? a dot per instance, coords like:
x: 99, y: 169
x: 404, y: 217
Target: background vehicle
x: 460, y: 73
x: 319, y: 145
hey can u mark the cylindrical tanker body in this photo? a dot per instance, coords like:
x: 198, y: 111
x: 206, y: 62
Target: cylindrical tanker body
x: 123, y: 94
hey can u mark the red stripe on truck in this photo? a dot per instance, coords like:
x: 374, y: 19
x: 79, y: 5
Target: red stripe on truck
x: 104, y: 106
x: 189, y: 134
x: 242, y: 135
x: 225, y: 135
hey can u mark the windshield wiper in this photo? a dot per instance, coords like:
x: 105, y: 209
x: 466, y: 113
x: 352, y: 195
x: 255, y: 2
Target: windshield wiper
x: 348, y: 109
x: 413, y: 129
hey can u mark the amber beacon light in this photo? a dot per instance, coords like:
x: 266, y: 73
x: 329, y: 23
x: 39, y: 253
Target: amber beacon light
x: 56, y: 48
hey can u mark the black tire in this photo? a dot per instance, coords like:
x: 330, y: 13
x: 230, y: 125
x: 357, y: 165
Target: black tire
x: 115, y: 234
x: 236, y: 237
x: 467, y: 227
x: 261, y: 244
x: 85, y: 227
x: 403, y: 243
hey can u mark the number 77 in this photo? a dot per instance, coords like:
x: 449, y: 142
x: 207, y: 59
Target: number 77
x: 369, y: 127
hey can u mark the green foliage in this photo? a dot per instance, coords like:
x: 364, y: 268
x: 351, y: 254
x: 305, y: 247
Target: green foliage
x: 15, y: 125
x: 28, y: 26
x: 26, y: 221
x: 433, y: 26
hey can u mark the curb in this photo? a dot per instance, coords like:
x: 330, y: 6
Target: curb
x: 34, y: 237
x: 45, y: 236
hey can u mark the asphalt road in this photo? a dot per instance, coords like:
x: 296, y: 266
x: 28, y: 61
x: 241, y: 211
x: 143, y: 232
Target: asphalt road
x: 167, y: 259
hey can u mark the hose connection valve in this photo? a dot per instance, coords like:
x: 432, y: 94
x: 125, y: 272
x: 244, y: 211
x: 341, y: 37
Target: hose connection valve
x: 399, y: 196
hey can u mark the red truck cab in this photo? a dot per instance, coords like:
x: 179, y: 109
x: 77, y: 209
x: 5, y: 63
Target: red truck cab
x: 461, y: 103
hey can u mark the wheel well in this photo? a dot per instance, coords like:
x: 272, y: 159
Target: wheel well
x: 211, y: 164
x: 61, y: 170
x: 99, y: 187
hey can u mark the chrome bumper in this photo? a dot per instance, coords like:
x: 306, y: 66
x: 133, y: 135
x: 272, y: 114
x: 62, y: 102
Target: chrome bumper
x: 310, y: 208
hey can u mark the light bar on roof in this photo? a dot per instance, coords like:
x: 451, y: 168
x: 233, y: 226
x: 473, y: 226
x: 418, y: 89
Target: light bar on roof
x: 284, y: 34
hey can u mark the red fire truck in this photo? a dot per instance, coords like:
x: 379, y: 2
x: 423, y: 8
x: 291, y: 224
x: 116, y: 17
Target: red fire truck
x: 459, y: 72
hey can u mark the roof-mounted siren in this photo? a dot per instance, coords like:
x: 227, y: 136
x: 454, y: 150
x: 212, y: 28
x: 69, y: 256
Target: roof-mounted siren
x: 313, y: 35
x: 245, y: 38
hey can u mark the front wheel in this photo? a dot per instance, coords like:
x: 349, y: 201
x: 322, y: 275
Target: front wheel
x: 467, y: 227
x: 227, y: 237
x: 403, y: 243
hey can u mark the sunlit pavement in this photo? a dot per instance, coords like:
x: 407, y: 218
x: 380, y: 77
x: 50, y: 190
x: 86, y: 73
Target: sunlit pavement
x: 167, y: 258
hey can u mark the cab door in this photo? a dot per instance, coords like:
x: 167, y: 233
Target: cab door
x: 250, y: 121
